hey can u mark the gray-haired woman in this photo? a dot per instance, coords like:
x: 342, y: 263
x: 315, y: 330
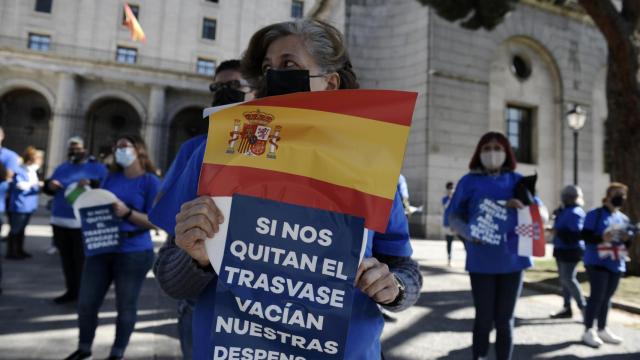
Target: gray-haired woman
x: 288, y: 57
x: 568, y: 247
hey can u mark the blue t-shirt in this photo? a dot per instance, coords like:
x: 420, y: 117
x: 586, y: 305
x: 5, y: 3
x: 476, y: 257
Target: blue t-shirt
x: 366, y: 325
x: 570, y: 219
x: 9, y: 160
x: 23, y: 199
x: 138, y: 194
x: 598, y: 220
x: 69, y: 173
x: 472, y: 194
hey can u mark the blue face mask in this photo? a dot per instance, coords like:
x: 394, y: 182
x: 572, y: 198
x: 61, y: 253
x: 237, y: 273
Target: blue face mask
x: 125, y: 156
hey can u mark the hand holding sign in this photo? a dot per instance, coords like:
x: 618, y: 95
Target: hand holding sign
x: 374, y: 279
x: 197, y: 221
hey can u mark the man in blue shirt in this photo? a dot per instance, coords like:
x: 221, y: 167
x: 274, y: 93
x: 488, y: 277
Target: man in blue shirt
x: 8, y: 167
x: 69, y: 180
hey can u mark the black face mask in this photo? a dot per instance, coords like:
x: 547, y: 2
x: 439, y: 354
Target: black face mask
x: 282, y: 82
x: 227, y: 95
x: 617, y: 201
x: 75, y: 157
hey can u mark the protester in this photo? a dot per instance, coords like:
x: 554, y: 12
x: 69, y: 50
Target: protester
x: 23, y: 201
x: 449, y: 235
x: 568, y: 248
x: 316, y: 50
x: 495, y: 272
x: 8, y: 167
x: 132, y: 179
x: 607, y: 234
x: 228, y: 87
x: 81, y: 170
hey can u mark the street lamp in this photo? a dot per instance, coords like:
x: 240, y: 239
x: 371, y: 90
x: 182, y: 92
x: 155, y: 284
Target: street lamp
x: 576, y: 117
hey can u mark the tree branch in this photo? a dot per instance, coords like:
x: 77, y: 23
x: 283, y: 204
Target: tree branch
x: 618, y: 34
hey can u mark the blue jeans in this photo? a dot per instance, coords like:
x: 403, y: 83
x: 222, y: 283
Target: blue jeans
x: 18, y: 222
x: 603, y: 285
x: 185, y: 321
x: 567, y: 272
x: 494, y: 297
x: 127, y: 271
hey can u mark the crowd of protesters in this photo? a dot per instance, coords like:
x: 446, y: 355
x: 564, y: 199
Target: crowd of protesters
x: 305, y: 55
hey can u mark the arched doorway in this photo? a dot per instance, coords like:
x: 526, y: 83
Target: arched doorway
x: 24, y: 116
x: 185, y: 124
x: 106, y: 120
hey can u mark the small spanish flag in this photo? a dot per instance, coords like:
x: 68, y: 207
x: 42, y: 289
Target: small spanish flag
x: 333, y: 150
x: 134, y: 26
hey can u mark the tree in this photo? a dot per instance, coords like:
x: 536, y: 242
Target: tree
x: 621, y: 30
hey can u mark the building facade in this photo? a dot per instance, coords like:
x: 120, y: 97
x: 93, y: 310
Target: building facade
x: 68, y: 67
x: 520, y: 79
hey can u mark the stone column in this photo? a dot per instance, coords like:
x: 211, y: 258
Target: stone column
x: 64, y: 113
x: 154, y: 124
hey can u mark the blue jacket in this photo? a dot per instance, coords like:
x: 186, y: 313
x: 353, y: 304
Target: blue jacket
x: 23, y: 196
x: 595, y: 224
x: 8, y: 160
x: 478, y: 205
x: 363, y: 341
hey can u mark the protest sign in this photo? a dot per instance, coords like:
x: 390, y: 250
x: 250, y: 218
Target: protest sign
x: 100, y: 225
x: 298, y: 178
x: 489, y: 224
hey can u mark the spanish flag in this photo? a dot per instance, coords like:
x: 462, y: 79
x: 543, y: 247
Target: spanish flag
x: 133, y: 25
x: 333, y: 150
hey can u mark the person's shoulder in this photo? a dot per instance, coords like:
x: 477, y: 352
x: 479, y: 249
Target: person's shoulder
x: 10, y: 154
x: 578, y: 211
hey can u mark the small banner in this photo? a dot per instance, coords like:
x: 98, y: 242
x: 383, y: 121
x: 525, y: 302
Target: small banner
x: 100, y: 229
x: 490, y: 223
x: 100, y: 225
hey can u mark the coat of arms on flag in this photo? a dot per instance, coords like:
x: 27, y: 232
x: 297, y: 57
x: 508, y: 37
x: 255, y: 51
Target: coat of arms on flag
x: 527, y: 238
x: 255, y: 136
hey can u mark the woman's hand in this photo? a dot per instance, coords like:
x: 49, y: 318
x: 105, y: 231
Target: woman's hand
x: 374, y: 279
x: 197, y: 221
x: 120, y: 208
x: 515, y: 204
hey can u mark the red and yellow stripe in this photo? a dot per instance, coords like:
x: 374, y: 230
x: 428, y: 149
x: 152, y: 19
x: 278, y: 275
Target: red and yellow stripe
x: 338, y: 150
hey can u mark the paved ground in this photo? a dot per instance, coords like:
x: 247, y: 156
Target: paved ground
x: 32, y: 327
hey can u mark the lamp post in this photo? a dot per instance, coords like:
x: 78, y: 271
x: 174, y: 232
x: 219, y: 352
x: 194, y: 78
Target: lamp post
x: 576, y: 117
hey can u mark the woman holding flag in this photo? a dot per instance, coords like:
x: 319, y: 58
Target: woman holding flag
x: 301, y: 56
x: 483, y: 211
x: 607, y: 232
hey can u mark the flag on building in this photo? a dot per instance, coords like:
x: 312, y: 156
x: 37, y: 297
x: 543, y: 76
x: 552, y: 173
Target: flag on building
x: 528, y: 236
x: 137, y: 34
x: 333, y: 150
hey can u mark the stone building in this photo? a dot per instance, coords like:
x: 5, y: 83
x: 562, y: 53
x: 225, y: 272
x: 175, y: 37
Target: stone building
x: 68, y: 67
x: 520, y: 79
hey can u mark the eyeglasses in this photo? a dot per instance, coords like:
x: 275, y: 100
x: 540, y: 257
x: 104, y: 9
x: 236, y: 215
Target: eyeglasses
x: 241, y: 85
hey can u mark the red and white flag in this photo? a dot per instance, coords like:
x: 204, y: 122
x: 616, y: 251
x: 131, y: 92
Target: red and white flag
x: 613, y: 251
x: 528, y: 238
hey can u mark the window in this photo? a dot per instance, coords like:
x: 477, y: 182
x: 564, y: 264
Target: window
x: 520, y: 132
x: 44, y: 6
x: 297, y: 9
x: 206, y: 67
x: 126, y: 55
x: 39, y: 42
x: 135, y: 9
x: 209, y: 29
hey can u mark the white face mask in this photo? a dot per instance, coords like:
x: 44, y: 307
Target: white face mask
x: 493, y: 160
x: 125, y: 156
x: 34, y: 167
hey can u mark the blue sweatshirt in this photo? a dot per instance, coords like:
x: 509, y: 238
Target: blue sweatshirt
x: 138, y: 194
x: 67, y: 174
x: 595, y: 224
x: 363, y: 341
x: 23, y: 196
x: 479, y: 200
x: 8, y: 160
